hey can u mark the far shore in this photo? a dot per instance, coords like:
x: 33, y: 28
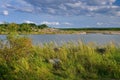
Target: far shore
x: 31, y: 28
x: 69, y: 32
x: 102, y: 32
x: 60, y: 31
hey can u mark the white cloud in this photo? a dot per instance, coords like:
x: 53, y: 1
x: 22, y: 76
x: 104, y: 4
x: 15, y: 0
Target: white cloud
x: 6, y: 5
x: 50, y: 10
x: 111, y: 1
x: 67, y: 23
x: 99, y: 23
x: 84, y: 7
x: 27, y: 21
x: 18, y: 5
x: 64, y: 7
x: 117, y: 13
x: 74, y: 5
x: 56, y: 23
x: 5, y: 12
x: 1, y: 22
x: 92, y: 8
x: 50, y: 23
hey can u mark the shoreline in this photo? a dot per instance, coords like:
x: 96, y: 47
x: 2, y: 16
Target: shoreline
x: 66, y: 32
x: 104, y: 32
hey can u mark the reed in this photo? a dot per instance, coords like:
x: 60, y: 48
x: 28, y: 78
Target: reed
x: 20, y: 60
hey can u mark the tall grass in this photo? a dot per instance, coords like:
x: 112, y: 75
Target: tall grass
x: 20, y: 60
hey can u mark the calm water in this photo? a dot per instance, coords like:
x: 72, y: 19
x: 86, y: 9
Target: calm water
x: 99, y: 39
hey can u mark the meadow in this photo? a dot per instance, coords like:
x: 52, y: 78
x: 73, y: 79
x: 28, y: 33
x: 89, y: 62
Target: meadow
x: 21, y: 60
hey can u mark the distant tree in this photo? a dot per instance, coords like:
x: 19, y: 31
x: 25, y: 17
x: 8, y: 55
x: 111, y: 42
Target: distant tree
x: 42, y: 26
x: 25, y: 27
x: 32, y: 25
x: 12, y: 27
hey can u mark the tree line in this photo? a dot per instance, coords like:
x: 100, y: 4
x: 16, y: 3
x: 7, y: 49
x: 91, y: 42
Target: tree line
x: 23, y: 27
x: 86, y: 29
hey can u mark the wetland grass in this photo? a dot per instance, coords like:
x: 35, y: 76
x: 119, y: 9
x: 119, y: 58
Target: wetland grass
x: 20, y: 60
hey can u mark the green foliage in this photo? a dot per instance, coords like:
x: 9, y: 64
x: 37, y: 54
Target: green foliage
x: 13, y: 27
x: 24, y: 27
x: 20, y: 60
x: 42, y: 26
x: 90, y: 29
x: 21, y: 28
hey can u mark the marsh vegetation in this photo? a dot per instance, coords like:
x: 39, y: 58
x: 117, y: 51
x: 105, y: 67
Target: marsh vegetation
x: 21, y: 60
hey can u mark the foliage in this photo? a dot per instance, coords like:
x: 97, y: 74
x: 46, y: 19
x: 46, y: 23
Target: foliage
x: 20, y: 60
x: 23, y: 27
x: 42, y: 26
x: 90, y: 29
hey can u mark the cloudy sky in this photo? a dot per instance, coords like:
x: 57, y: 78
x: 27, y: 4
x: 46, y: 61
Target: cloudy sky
x: 62, y: 13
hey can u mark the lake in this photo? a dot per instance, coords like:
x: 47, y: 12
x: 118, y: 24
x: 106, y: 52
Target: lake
x: 99, y: 39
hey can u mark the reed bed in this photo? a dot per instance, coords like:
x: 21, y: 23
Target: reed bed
x: 20, y: 60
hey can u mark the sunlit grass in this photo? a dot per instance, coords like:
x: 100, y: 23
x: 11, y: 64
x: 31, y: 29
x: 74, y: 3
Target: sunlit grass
x: 20, y: 60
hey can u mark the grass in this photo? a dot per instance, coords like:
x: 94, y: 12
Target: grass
x: 20, y: 60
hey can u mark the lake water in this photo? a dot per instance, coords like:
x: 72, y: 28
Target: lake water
x: 99, y: 39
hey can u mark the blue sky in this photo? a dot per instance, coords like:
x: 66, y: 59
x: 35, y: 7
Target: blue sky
x: 62, y: 13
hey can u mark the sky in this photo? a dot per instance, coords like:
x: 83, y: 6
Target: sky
x: 62, y: 13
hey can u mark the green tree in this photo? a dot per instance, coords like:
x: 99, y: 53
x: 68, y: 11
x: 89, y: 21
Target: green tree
x: 42, y: 26
x: 13, y: 27
x: 24, y: 27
